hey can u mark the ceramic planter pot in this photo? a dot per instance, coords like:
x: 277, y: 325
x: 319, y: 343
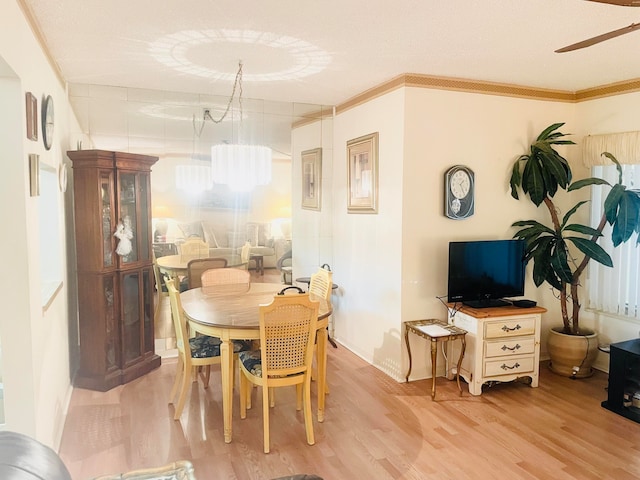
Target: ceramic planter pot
x: 570, y: 351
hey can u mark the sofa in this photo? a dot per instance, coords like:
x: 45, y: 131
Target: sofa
x: 229, y: 242
x: 23, y: 458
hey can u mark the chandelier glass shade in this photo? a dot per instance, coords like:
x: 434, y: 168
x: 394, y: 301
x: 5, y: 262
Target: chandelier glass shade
x: 193, y: 178
x: 242, y: 167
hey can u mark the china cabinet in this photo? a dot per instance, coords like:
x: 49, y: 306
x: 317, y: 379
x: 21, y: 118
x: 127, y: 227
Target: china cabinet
x: 112, y: 208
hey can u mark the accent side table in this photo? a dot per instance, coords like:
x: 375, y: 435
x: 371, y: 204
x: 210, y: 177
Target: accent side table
x: 435, y: 331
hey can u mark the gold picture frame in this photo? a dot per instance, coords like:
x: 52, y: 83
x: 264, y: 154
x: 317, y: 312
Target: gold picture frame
x: 362, y: 174
x: 34, y: 174
x: 312, y: 179
x: 32, y: 116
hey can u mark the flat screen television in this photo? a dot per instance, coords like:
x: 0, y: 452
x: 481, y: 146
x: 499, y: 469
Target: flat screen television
x: 484, y: 272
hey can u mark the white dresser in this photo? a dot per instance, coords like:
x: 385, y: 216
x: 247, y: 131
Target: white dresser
x: 503, y: 344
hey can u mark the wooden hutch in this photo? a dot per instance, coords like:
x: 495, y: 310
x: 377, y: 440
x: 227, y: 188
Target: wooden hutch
x: 115, y: 290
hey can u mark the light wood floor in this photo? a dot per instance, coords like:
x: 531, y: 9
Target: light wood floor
x: 374, y: 428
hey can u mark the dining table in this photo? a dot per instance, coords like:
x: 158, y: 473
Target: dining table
x: 177, y: 265
x: 236, y: 316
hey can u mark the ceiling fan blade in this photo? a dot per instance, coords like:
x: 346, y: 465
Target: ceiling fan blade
x: 621, y: 3
x: 600, y: 38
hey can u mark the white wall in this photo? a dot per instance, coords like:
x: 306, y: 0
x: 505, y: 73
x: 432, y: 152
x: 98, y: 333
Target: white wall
x: 35, y: 346
x: 393, y: 265
x: 312, y: 230
x: 368, y: 247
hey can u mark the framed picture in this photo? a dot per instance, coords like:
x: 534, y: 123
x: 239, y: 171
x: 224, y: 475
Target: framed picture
x: 32, y: 116
x: 34, y: 174
x: 312, y: 179
x: 362, y: 174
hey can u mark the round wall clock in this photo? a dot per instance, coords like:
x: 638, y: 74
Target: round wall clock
x: 459, y: 192
x: 47, y: 122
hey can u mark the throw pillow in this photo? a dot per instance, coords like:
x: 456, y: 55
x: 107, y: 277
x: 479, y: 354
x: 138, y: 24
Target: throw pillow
x: 192, y: 229
x: 258, y: 234
x: 210, y: 236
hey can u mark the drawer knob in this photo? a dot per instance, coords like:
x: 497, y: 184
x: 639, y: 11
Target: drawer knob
x: 507, y: 329
x: 515, y: 347
x: 504, y: 366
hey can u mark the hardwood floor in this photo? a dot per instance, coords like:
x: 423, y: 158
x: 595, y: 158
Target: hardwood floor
x: 375, y: 428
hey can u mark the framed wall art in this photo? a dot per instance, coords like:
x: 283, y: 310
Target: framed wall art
x: 34, y: 174
x: 312, y: 179
x: 362, y: 174
x: 32, y: 116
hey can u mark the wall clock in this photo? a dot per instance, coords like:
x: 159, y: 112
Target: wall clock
x: 459, y: 192
x: 47, y: 122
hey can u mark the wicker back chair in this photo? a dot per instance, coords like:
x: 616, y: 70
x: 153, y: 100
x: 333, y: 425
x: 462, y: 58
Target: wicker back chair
x: 245, y: 255
x: 195, y: 269
x: 321, y: 283
x: 225, y: 280
x: 287, y: 333
x: 193, y: 248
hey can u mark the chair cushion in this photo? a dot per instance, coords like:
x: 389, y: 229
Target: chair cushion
x: 252, y: 361
x: 184, y: 286
x: 204, y: 346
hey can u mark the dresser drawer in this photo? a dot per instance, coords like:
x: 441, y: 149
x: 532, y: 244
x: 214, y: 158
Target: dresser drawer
x: 509, y: 366
x: 514, y: 327
x: 510, y: 346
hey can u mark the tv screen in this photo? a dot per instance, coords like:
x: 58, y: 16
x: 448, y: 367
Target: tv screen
x: 483, y: 272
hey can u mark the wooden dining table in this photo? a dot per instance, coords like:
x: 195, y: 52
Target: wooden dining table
x: 177, y: 265
x: 235, y: 316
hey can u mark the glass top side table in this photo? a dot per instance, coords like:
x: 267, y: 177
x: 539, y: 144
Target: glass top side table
x: 435, y: 331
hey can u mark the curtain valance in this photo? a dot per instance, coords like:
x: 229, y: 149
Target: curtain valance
x: 624, y: 146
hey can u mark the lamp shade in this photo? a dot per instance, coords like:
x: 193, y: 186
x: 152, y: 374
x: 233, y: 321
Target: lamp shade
x: 242, y: 167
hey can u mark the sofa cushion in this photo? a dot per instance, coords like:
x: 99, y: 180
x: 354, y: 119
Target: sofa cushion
x: 258, y: 234
x: 192, y: 229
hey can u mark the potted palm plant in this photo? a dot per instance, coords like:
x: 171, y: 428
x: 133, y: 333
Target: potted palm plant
x: 561, y: 250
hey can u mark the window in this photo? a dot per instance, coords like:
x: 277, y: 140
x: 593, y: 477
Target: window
x: 615, y: 290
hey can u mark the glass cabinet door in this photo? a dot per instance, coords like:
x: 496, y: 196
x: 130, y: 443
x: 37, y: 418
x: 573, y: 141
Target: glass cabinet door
x: 144, y: 190
x: 111, y: 325
x: 131, y: 316
x: 127, y: 229
x: 149, y: 340
x: 134, y: 222
x: 106, y: 195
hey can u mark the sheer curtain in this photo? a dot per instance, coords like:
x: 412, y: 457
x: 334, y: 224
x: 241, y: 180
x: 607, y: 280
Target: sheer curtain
x: 615, y: 290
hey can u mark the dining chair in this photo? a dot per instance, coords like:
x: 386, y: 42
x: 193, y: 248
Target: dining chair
x: 225, y: 280
x: 196, y: 267
x: 161, y: 287
x: 245, y: 255
x: 287, y: 333
x: 192, y: 248
x: 201, y: 350
x: 321, y: 284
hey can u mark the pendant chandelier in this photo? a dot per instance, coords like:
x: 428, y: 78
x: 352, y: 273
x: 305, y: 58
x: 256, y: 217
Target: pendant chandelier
x: 193, y: 178
x: 241, y: 167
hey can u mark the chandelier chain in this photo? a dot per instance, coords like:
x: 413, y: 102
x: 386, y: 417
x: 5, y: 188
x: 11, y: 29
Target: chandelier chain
x: 237, y: 84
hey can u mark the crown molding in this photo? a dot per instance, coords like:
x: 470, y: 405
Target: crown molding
x: 489, y: 88
x: 35, y: 29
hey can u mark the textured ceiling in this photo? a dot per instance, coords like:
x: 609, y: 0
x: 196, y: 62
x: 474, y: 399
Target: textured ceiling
x: 325, y: 52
